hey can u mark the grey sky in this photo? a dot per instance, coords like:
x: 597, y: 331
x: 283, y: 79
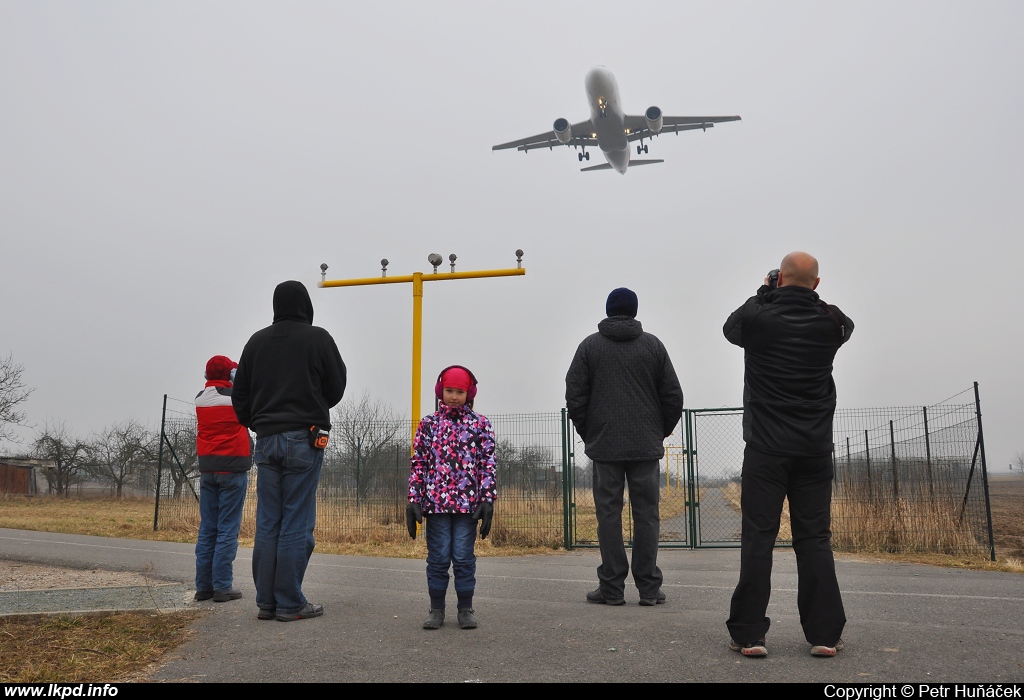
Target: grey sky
x: 164, y: 165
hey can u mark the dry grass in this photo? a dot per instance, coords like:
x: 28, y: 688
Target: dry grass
x: 87, y: 649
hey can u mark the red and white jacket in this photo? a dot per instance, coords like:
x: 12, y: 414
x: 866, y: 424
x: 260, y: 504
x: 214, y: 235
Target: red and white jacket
x: 222, y: 443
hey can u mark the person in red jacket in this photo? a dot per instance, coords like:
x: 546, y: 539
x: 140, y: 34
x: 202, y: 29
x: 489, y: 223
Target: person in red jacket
x: 225, y: 457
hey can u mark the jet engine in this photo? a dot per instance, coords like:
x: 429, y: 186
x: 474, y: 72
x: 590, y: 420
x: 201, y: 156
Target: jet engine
x: 653, y: 116
x: 563, y: 130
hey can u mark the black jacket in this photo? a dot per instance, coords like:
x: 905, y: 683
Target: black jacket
x: 790, y: 337
x: 290, y: 373
x: 622, y: 393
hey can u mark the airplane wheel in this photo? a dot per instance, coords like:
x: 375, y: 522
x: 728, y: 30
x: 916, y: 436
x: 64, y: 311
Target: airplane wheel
x: 580, y: 156
x: 639, y: 150
x: 588, y: 156
x: 645, y: 149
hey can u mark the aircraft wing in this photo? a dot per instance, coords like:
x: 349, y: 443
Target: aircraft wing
x: 637, y: 125
x: 581, y: 136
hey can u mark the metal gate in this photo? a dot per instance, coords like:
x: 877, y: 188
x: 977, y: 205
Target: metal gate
x: 905, y: 479
x: 699, y: 485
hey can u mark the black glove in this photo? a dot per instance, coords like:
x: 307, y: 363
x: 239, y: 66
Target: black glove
x: 484, y: 513
x: 413, y: 515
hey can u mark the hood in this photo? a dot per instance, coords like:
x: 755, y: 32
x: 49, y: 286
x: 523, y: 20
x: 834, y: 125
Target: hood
x: 291, y: 303
x: 620, y: 328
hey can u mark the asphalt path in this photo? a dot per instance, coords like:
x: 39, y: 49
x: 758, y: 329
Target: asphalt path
x: 907, y: 622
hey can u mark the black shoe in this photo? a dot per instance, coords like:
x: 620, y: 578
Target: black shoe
x: 305, y: 612
x: 265, y: 614
x: 202, y: 595
x: 226, y: 594
x: 599, y: 597
x: 467, y: 619
x: 435, y: 618
x: 755, y: 649
x: 659, y: 599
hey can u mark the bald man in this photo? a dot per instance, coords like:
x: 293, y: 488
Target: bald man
x: 790, y: 338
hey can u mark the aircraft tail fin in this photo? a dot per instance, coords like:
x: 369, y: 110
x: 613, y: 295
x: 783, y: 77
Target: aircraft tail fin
x: 607, y: 166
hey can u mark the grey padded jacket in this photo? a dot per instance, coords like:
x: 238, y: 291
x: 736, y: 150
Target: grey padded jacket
x: 622, y: 392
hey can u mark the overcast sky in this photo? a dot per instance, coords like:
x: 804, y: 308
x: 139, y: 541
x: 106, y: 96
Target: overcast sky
x: 163, y: 165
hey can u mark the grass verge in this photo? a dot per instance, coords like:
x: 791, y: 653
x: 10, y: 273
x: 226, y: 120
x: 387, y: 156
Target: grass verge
x: 110, y: 648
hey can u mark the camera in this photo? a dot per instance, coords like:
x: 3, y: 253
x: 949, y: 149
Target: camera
x: 773, y: 279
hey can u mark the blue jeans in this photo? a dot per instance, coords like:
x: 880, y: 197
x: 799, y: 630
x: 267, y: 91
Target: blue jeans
x: 221, y: 497
x: 450, y: 540
x: 289, y: 471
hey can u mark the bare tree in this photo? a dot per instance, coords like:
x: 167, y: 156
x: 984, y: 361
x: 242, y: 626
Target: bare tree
x: 69, y: 454
x: 120, y: 453
x: 182, y: 440
x: 365, y: 434
x: 1018, y: 463
x: 13, y: 393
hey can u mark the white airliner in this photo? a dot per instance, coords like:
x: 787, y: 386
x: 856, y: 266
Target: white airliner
x: 609, y: 128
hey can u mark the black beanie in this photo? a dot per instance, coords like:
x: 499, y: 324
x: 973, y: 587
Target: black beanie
x: 621, y: 302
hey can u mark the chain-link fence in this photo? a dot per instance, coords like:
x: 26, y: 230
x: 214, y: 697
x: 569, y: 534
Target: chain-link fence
x: 906, y: 479
x: 365, y: 479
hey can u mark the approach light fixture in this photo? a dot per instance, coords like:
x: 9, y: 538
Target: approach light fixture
x: 452, y: 258
x: 435, y: 260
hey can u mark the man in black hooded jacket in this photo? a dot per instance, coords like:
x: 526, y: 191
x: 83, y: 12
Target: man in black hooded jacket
x: 289, y: 377
x: 624, y: 399
x: 790, y: 338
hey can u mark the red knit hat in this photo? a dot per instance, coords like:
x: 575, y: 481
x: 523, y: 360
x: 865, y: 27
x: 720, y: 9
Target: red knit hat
x: 456, y: 378
x: 219, y: 367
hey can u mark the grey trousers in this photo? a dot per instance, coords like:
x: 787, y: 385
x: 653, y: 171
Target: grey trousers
x: 609, y: 481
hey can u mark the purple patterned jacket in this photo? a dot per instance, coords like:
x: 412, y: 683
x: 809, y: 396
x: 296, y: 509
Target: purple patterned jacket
x: 452, y: 467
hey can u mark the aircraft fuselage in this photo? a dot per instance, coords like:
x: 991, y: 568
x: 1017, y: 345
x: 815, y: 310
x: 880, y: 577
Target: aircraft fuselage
x: 608, y: 118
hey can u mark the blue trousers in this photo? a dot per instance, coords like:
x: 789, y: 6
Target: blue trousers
x: 289, y: 471
x: 221, y: 497
x: 450, y: 541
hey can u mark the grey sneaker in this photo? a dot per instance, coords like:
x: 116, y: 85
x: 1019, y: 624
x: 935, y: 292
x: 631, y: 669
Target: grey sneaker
x: 600, y: 598
x: 467, y: 619
x: 226, y: 594
x: 658, y: 599
x: 825, y: 650
x: 304, y: 613
x: 435, y: 618
x: 755, y: 649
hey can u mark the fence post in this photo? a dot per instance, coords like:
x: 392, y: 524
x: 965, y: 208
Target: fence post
x: 566, y: 484
x: 928, y: 455
x: 867, y: 456
x: 895, y: 471
x: 159, y: 464
x: 691, y: 477
x: 984, y: 475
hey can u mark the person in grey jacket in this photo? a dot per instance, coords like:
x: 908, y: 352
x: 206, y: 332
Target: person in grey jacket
x: 624, y: 399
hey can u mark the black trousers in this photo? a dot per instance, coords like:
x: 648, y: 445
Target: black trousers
x: 807, y: 482
x: 644, y: 492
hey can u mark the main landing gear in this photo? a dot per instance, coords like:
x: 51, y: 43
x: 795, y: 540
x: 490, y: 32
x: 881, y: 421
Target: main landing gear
x: 641, y: 149
x: 583, y: 156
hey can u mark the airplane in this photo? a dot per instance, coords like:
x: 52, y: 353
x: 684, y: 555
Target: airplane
x: 609, y: 128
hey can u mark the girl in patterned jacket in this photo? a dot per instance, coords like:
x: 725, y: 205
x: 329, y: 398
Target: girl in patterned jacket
x: 452, y: 483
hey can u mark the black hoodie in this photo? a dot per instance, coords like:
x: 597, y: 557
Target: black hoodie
x: 290, y: 374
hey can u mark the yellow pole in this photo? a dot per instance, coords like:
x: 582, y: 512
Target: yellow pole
x: 417, y: 350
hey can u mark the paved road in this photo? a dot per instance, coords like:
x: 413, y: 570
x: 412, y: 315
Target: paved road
x: 907, y: 622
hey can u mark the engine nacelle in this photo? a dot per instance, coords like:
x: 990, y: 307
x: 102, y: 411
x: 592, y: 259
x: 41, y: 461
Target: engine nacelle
x: 563, y: 130
x: 653, y: 116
